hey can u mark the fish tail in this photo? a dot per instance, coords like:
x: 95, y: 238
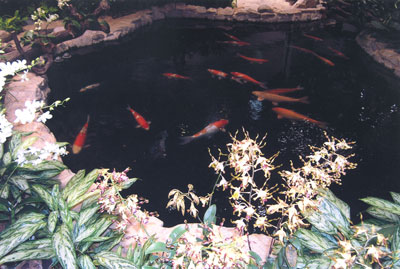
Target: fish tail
x: 304, y: 100
x: 185, y: 140
x: 264, y: 86
x: 129, y: 108
x: 88, y: 118
x: 322, y: 125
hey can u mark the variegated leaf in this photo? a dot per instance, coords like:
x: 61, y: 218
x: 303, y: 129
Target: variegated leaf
x: 52, y: 221
x: 64, y: 248
x: 111, y: 260
x: 72, y: 183
x: 395, y: 197
x: 323, y: 225
x: 86, y: 214
x: 395, y: 247
x: 382, y: 204
x: 335, y: 216
x: 75, y: 196
x: 313, y: 241
x: 30, y: 254
x: 36, y: 244
x: 45, y: 195
x: 383, y: 215
x: 85, y: 262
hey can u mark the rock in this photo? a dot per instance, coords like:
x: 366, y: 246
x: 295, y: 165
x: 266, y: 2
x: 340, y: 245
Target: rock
x: 347, y: 27
x: 157, y: 13
x: 307, y: 3
x: 58, y: 29
x: 228, y: 11
x: 5, y: 36
x: 265, y: 8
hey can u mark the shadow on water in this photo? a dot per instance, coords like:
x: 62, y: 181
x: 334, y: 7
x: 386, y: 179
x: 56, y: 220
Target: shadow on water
x: 358, y: 100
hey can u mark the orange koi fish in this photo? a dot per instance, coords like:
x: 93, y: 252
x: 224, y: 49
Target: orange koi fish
x: 253, y: 60
x: 235, y: 42
x: 327, y: 61
x: 313, y: 37
x: 232, y: 37
x: 175, y: 76
x: 284, y: 90
x: 339, y: 53
x: 208, y: 130
x: 240, y: 77
x: 292, y: 115
x: 217, y: 73
x: 80, y: 138
x: 276, y: 98
x: 142, y: 123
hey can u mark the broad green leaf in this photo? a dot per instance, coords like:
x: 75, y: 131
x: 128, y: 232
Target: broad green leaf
x: 7, y: 159
x: 20, y: 182
x: 75, y: 196
x: 328, y: 194
x: 157, y: 247
x: 4, y: 190
x: 65, y: 213
x: 98, y: 239
x: 313, y: 241
x: 85, y: 232
x: 85, y: 262
x: 64, y: 248
x: 319, y: 263
x: 24, y: 145
x: 52, y: 221
x: 318, y: 221
x: 177, y: 233
x: 395, y: 197
x: 210, y: 215
x: 100, y: 230
x: 17, y: 236
x: 44, y: 194
x: 382, y: 204
x: 110, y: 243
x: 55, y: 193
x: 87, y: 195
x: 88, y: 202
x: 86, y: 214
x: 15, y: 141
x: 31, y: 254
x: 335, y: 217
x: 395, y: 247
x: 4, y: 205
x: 383, y: 215
x: 29, y: 218
x: 129, y: 253
x: 72, y: 183
x: 1, y: 150
x: 256, y: 257
x: 111, y: 260
x: 139, y: 255
x: 4, y: 217
x: 36, y: 244
x: 45, y: 165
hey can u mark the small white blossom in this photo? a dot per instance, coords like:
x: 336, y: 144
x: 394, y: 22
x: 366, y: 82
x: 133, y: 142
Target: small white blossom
x: 44, y: 117
x: 5, y: 128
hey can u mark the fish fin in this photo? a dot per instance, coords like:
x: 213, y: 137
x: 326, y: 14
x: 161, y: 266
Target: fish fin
x: 322, y: 125
x: 304, y: 100
x: 219, y: 78
x: 279, y: 116
x: 88, y: 118
x: 260, y: 99
x: 275, y: 103
x: 129, y: 108
x: 264, y: 86
x: 223, y: 129
x: 299, y: 87
x: 185, y: 140
x: 138, y: 126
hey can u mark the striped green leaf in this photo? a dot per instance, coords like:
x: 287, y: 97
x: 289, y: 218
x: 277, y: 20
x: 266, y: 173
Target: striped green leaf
x: 45, y: 195
x: 335, y: 216
x: 24, y: 145
x: 328, y: 194
x: 85, y: 232
x: 313, y: 241
x: 64, y: 248
x: 55, y: 193
x: 126, y: 184
x: 395, y: 197
x: 15, y: 141
x: 44, y: 166
x: 395, y: 247
x: 4, y: 190
x: 17, y: 236
x: 72, y: 183
x: 111, y: 260
x: 89, y: 201
x: 318, y: 221
x: 319, y: 263
x: 86, y: 214
x: 36, y: 244
x: 52, y: 221
x: 87, y: 195
x: 28, y: 218
x: 7, y: 159
x: 20, y: 182
x: 4, y: 205
x: 382, y: 204
x: 1, y: 150
x: 177, y: 233
x: 383, y: 215
x: 157, y: 247
x: 65, y: 213
x: 30, y: 254
x: 85, y: 262
x: 100, y: 229
x: 75, y: 196
x: 107, y: 245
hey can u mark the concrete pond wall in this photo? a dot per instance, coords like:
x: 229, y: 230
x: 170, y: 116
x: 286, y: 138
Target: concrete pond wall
x: 36, y: 88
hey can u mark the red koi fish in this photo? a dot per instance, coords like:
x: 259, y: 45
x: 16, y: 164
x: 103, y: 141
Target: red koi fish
x: 240, y: 77
x: 327, y: 61
x: 208, y: 130
x: 236, y: 43
x: 232, y: 37
x: 142, y: 123
x: 338, y: 53
x: 313, y: 37
x: 217, y: 73
x: 292, y: 115
x: 175, y: 76
x: 276, y: 98
x: 284, y: 90
x: 253, y: 60
x: 80, y: 138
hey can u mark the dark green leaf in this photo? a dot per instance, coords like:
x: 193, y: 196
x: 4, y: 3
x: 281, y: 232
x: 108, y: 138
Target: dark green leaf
x: 15, y: 140
x: 36, y: 244
x: 75, y: 196
x: 100, y: 230
x: 31, y: 254
x: 20, y: 182
x: 157, y: 247
x: 64, y: 248
x: 85, y: 262
x: 344, y: 208
x: 89, y: 231
x: 110, y: 243
x: 383, y: 215
x: 7, y: 159
x: 126, y: 184
x: 382, y: 204
x: 4, y: 205
x: 52, y: 221
x: 28, y: 218
x: 177, y: 233
x: 313, y: 241
x: 86, y: 214
x: 45, y: 195
x: 395, y: 247
x: 4, y: 190
x: 65, y: 213
x: 45, y: 165
x: 72, y: 183
x: 395, y: 197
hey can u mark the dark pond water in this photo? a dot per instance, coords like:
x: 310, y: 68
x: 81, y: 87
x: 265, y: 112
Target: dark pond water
x: 358, y: 99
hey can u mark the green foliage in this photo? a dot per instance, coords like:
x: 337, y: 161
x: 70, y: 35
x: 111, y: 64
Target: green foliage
x: 12, y: 23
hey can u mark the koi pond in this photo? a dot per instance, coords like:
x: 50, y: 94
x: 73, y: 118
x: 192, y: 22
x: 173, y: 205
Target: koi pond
x: 357, y: 99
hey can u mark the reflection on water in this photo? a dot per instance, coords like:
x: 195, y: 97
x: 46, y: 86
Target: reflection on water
x: 356, y: 98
